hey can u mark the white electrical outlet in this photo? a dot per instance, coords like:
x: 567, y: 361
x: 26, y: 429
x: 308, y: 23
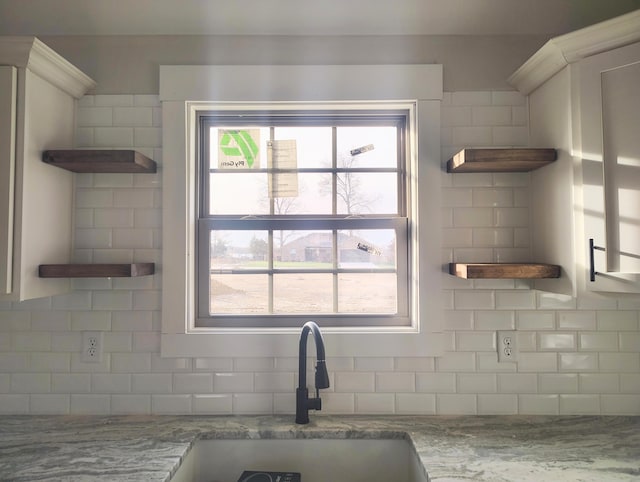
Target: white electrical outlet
x: 507, y: 344
x: 92, y: 346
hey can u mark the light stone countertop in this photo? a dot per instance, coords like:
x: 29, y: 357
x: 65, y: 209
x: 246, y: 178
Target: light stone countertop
x: 479, y: 448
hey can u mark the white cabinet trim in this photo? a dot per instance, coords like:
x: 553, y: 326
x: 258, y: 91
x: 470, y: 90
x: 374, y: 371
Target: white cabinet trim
x: 561, y: 51
x: 31, y: 53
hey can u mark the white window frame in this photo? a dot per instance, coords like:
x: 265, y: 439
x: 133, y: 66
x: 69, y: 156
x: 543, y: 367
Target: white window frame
x: 185, y: 90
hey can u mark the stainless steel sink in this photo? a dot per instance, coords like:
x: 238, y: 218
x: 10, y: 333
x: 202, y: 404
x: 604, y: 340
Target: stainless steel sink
x: 318, y: 460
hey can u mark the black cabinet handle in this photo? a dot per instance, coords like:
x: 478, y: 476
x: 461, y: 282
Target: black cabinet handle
x: 592, y: 264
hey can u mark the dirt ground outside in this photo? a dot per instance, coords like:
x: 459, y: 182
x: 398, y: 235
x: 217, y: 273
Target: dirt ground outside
x: 302, y: 293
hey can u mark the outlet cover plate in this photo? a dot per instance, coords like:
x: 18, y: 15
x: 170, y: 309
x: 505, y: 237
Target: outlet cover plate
x: 92, y: 346
x: 507, y: 345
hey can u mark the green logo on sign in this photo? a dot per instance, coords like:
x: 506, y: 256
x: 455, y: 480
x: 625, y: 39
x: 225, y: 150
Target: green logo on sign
x: 239, y: 144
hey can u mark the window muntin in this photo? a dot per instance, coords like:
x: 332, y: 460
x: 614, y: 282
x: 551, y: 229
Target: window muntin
x: 337, y: 249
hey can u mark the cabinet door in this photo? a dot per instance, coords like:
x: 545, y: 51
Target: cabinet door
x: 610, y: 131
x: 8, y: 81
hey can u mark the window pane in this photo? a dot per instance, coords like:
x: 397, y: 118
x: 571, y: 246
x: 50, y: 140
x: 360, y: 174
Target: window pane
x: 239, y: 293
x: 367, y: 193
x: 353, y: 145
x: 314, y: 196
x: 313, y: 144
x: 238, y: 193
x: 303, y: 293
x: 244, y: 146
x: 371, y: 248
x: 238, y: 250
x: 303, y: 249
x: 367, y: 293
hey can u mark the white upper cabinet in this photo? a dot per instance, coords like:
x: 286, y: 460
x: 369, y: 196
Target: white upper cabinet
x: 610, y: 132
x: 38, y: 89
x: 584, y: 100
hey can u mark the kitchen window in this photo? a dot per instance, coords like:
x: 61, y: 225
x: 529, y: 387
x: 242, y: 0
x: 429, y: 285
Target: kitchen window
x: 403, y: 98
x: 304, y: 214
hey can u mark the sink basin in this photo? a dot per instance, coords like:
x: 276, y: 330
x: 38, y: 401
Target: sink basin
x: 317, y: 460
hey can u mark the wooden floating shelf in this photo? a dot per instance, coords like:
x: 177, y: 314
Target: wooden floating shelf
x: 95, y: 270
x: 504, y: 270
x: 500, y: 160
x: 100, y: 160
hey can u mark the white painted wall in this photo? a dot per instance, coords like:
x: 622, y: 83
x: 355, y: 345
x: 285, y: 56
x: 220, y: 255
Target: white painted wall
x: 577, y: 356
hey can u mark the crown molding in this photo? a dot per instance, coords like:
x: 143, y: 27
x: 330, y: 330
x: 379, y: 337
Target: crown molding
x: 30, y: 53
x: 561, y: 51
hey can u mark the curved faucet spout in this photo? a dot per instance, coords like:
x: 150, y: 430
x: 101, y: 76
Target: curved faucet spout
x: 303, y: 402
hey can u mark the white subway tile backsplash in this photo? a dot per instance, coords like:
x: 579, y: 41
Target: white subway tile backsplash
x: 151, y: 383
x: 374, y: 364
x: 375, y: 403
x: 113, y: 100
x: 577, y: 320
x: 71, y: 383
x: 493, y: 237
x: 476, y: 383
x: 495, y: 404
x: 457, y: 404
x: 580, y: 404
x: 474, y: 299
x: 599, y: 383
x: 395, y: 382
x: 535, y: 320
x: 600, y: 341
x: 473, y: 217
x: 87, y: 404
x: 171, y: 404
x: 133, y: 116
x: 49, y: 404
x: 517, y: 383
x: 475, y: 341
x: 212, y: 404
x: 130, y: 404
x: 110, y: 383
x: 491, y: 115
x: 515, y: 300
x: 629, y: 382
x: 232, y: 382
x: 620, y: 404
x: 94, y: 116
x: 510, y: 136
x: 558, y: 383
x: 557, y: 341
x: 507, y: 97
x: 470, y: 98
x: 31, y: 382
x: 578, y: 362
x: 252, y: 403
x: 14, y: 404
x: 415, y: 403
x: 354, y: 382
x: 630, y: 342
x: 617, y: 320
x: 619, y: 362
x: 436, y: 382
x: 477, y: 136
x: 577, y: 355
x: 112, y: 136
x: 538, y: 404
x: 192, y: 382
x: 282, y: 382
x: 537, y: 362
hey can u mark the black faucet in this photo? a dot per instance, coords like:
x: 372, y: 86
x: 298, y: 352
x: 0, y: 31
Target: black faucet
x: 303, y: 402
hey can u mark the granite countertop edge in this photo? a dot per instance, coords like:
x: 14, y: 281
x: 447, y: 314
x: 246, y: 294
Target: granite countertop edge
x: 483, y: 448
